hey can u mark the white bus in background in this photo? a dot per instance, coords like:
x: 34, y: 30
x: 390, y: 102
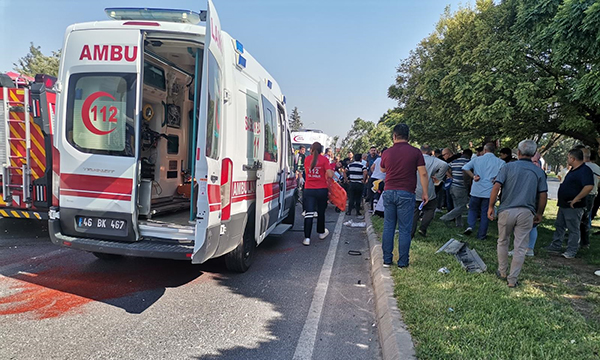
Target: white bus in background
x: 306, y: 137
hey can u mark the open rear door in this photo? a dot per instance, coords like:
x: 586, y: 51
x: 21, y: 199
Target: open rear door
x: 97, y: 134
x: 208, y: 146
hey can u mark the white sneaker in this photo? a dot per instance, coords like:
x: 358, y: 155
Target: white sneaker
x: 529, y: 252
x: 324, y: 235
x: 306, y: 241
x: 597, y: 273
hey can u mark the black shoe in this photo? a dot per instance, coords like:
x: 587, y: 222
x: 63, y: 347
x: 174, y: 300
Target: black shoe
x: 422, y: 233
x: 348, y: 212
x: 358, y: 213
x: 468, y: 231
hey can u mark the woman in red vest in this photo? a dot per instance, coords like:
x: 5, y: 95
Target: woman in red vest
x: 315, y: 191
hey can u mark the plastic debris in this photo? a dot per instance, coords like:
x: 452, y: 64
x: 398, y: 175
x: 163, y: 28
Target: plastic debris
x: 353, y: 224
x: 469, y: 259
x: 451, y: 309
x: 444, y: 270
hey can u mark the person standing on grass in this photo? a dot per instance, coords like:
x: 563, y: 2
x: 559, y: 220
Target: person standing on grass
x: 400, y: 163
x: 436, y: 170
x: 458, y: 189
x: 586, y: 221
x: 316, y: 194
x: 571, y: 203
x: 524, y: 197
x: 356, y: 176
x: 483, y: 169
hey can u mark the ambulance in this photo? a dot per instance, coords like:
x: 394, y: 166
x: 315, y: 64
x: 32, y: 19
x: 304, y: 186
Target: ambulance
x: 306, y: 137
x: 172, y: 140
x: 26, y: 128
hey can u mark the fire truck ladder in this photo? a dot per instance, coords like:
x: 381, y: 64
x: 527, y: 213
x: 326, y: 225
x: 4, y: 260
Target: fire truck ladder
x: 12, y: 107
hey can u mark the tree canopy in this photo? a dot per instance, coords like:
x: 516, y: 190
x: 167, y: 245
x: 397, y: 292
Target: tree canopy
x: 508, y: 71
x: 365, y: 134
x: 37, y: 63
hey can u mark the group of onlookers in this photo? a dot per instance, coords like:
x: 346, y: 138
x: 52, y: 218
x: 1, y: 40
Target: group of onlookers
x: 413, y: 180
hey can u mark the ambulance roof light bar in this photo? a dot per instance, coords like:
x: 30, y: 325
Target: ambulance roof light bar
x: 154, y: 14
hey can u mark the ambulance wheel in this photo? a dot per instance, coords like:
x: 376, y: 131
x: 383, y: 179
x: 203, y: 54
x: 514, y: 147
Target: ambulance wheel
x: 107, y: 257
x: 240, y: 259
x: 291, y: 215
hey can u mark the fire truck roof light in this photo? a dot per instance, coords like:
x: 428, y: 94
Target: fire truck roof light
x: 168, y: 15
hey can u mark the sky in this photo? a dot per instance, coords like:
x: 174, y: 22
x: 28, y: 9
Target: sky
x: 333, y: 59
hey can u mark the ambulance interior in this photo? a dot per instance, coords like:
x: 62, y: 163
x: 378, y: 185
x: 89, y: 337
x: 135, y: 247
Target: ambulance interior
x: 166, y: 148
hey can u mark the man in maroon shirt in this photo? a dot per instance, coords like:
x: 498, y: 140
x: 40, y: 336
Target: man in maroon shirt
x: 400, y: 163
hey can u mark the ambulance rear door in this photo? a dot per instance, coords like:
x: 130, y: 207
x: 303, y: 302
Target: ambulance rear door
x: 101, y: 81
x: 208, y: 148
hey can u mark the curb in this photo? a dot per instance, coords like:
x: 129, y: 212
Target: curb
x: 394, y: 338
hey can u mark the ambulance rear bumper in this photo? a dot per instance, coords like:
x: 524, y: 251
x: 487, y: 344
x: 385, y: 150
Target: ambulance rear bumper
x: 143, y: 248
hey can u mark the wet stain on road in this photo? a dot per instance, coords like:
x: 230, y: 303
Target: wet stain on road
x: 59, y: 290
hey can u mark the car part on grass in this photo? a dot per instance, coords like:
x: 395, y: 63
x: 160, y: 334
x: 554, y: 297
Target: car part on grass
x: 468, y: 258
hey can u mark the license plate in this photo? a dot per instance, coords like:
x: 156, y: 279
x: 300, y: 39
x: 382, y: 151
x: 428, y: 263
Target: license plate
x: 102, y: 225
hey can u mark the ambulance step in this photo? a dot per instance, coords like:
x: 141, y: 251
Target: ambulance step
x: 161, y: 230
x: 16, y: 139
x: 280, y: 229
x: 17, y: 157
x: 18, y: 121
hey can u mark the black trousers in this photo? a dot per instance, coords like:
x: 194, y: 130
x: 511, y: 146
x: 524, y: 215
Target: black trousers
x: 355, y: 196
x: 428, y: 214
x: 315, y: 203
x: 584, y: 230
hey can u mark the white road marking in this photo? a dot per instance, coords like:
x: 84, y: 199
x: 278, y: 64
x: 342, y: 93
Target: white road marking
x: 308, y: 337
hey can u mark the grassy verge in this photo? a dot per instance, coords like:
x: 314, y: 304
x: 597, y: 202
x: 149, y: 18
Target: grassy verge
x: 554, y: 314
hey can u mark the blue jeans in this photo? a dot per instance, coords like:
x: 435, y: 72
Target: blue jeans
x: 479, y: 206
x: 399, y: 207
x: 533, y: 236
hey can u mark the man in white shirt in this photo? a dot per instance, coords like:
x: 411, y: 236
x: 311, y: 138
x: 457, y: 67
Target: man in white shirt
x: 586, y: 223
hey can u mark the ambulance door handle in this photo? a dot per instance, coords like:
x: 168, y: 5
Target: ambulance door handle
x: 214, y: 178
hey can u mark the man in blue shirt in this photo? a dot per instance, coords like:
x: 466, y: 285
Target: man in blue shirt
x: 577, y: 185
x: 483, y: 169
x: 524, y: 196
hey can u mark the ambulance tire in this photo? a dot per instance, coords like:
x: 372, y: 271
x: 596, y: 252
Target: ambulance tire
x: 107, y: 257
x: 289, y: 220
x: 240, y: 259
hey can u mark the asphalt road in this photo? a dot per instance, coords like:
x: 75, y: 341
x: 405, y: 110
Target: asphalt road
x: 553, y: 185
x: 58, y: 303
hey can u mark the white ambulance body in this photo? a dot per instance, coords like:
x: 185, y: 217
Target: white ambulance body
x: 306, y: 137
x: 152, y: 102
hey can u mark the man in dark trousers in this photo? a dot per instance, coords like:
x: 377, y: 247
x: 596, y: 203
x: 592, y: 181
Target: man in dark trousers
x: 400, y: 163
x: 524, y: 196
x: 571, y: 203
x: 356, y: 176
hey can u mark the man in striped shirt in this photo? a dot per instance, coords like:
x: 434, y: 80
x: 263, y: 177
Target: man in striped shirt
x: 356, y: 176
x: 458, y: 190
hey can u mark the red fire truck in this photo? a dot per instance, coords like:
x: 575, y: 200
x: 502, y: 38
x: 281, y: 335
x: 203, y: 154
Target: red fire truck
x: 26, y: 127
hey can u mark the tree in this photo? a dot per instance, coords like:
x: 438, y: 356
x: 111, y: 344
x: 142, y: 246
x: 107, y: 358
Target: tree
x: 37, y: 63
x: 295, y: 122
x: 507, y: 71
x: 365, y: 134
